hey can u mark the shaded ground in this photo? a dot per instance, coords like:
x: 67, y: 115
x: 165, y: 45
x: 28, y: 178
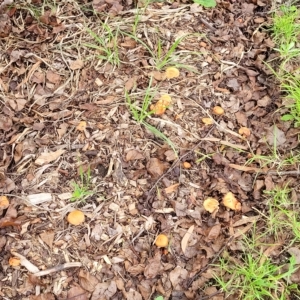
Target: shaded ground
x: 50, y: 81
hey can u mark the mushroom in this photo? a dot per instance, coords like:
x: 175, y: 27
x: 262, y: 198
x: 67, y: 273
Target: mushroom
x: 161, y: 105
x: 14, y: 262
x: 76, y: 217
x: 4, y: 203
x: 211, y: 204
x: 161, y: 241
x: 231, y: 202
x: 172, y: 72
x: 218, y: 110
x: 186, y: 165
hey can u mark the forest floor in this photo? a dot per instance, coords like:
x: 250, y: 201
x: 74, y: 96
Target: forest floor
x: 77, y: 132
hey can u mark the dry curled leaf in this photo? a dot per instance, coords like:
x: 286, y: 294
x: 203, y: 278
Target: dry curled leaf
x: 172, y: 72
x: 211, y: 204
x: 185, y: 239
x: 231, y: 202
x: 48, y: 157
x: 161, y: 105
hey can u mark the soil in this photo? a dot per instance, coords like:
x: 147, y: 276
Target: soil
x: 64, y: 120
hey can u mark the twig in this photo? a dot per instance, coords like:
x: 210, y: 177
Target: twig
x: 190, y: 281
x: 207, y: 24
x: 176, y: 163
x: 58, y: 268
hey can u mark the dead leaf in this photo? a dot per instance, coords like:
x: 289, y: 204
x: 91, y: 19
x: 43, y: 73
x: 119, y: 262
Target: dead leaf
x: 158, y: 75
x: 5, y: 123
x: 76, y: 64
x: 46, y: 296
x: 47, y: 237
x: 130, y: 83
x: 52, y: 77
x: 48, y: 157
x: 214, y: 232
x: 104, y: 290
x: 155, y: 167
x: 172, y: 188
x: 154, y: 266
x: 7, y: 186
x: 185, y: 239
x: 77, y: 293
x: 275, y: 136
x: 134, y: 155
x: 177, y: 276
x: 87, y: 280
x: 295, y: 251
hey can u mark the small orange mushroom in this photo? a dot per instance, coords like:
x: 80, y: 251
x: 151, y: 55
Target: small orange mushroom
x: 4, y: 203
x: 161, y: 241
x: 76, y: 217
x: 211, y: 204
x: 161, y: 105
x: 172, y: 72
x: 186, y: 165
x: 231, y: 202
x: 207, y: 121
x: 244, y: 131
x: 14, y: 262
x: 218, y: 110
x: 81, y: 126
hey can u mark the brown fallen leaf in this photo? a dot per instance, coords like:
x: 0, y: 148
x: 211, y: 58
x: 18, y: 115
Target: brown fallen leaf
x: 154, y: 266
x: 155, y: 167
x: 77, y: 293
x: 76, y: 64
x: 172, y: 188
x: 245, y: 168
x: 87, y: 280
x: 48, y: 157
x: 186, y: 237
x: 134, y: 155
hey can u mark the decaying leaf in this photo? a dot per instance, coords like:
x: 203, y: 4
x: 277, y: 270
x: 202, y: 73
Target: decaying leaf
x: 211, y: 204
x: 76, y: 64
x: 161, y: 105
x: 134, y: 155
x: 155, y: 167
x: 172, y: 188
x: 48, y: 157
x: 231, y: 202
x: 87, y: 280
x: 77, y: 293
x: 185, y: 239
x: 154, y: 266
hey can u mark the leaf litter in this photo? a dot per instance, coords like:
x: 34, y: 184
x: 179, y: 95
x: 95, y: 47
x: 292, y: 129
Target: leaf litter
x: 63, y: 110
